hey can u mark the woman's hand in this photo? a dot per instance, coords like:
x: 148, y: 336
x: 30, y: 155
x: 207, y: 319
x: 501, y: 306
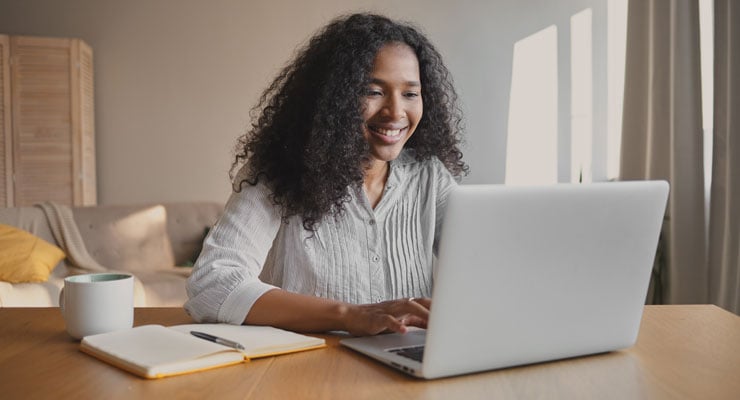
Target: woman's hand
x: 302, y: 313
x: 393, y: 316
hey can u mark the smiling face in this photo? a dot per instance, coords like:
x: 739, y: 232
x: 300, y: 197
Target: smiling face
x: 393, y: 105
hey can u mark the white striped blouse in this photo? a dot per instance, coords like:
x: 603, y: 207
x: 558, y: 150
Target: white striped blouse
x: 365, y: 255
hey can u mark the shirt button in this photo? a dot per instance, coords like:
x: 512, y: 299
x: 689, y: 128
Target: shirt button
x: 376, y: 258
x: 371, y: 222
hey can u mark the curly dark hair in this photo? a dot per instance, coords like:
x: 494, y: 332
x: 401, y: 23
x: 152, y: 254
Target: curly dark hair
x: 306, y: 139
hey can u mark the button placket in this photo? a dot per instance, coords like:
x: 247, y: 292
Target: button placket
x: 375, y: 260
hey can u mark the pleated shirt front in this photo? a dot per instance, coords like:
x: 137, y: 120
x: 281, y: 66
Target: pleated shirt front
x: 363, y: 255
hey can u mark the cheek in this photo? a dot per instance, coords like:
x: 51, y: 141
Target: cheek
x: 417, y: 113
x: 369, y: 109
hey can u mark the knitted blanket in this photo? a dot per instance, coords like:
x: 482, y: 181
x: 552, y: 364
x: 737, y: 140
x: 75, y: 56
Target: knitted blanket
x: 67, y: 235
x: 65, y: 232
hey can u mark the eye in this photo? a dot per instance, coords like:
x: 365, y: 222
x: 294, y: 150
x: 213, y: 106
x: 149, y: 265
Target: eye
x: 411, y: 95
x: 373, y: 93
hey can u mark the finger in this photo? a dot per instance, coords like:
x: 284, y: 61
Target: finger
x: 415, y: 307
x: 416, y: 322
x: 395, y: 325
x: 416, y: 317
x: 424, y: 301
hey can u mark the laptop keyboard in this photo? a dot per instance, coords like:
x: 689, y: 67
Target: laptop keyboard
x: 415, y: 353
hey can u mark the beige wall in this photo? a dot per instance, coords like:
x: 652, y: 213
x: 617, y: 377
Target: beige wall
x: 175, y: 79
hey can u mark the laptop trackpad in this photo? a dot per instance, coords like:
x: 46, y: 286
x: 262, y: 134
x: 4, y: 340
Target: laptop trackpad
x: 385, y: 342
x: 412, y: 338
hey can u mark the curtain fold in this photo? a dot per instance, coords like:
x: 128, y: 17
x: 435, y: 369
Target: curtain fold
x: 662, y: 135
x: 724, y: 222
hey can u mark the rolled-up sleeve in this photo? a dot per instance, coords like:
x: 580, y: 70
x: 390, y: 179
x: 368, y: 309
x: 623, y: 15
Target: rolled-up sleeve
x: 225, y: 280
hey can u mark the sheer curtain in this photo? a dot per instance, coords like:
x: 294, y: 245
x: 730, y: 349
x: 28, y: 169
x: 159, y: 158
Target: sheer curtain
x: 724, y: 221
x: 662, y: 136
x: 662, y: 139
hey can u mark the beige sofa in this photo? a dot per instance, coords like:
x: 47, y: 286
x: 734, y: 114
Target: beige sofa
x: 152, y: 242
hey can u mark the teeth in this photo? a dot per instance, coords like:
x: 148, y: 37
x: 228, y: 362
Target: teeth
x: 388, y: 132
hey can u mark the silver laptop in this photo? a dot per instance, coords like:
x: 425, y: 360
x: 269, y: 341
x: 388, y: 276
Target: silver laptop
x: 531, y: 274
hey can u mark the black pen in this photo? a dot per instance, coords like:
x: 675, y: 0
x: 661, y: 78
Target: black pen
x: 216, y: 339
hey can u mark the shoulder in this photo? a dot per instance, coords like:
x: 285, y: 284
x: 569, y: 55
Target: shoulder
x: 248, y: 194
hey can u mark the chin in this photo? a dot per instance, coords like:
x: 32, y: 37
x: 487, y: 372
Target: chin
x: 386, y: 155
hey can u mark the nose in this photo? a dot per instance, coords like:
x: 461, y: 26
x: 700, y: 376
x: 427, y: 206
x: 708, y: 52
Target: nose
x: 393, y: 108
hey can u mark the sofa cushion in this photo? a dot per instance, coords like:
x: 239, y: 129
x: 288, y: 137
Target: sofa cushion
x: 46, y: 294
x: 126, y: 238
x: 30, y: 219
x: 39, y: 294
x: 187, y: 224
x: 25, y: 257
x: 165, y: 288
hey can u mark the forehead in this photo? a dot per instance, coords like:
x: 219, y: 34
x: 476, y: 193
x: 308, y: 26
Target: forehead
x: 397, y: 61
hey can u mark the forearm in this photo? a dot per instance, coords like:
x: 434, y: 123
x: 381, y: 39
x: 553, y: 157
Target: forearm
x: 298, y: 312
x: 304, y: 313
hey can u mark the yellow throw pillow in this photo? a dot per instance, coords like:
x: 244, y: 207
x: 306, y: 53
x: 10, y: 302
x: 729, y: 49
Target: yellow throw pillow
x: 25, y: 257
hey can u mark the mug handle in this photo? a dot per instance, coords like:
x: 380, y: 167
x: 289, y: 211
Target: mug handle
x: 61, y: 300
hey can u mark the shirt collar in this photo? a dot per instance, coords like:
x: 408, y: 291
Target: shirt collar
x: 407, y: 156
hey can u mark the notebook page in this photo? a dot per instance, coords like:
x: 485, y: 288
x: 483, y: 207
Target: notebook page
x: 149, y: 346
x: 258, y: 340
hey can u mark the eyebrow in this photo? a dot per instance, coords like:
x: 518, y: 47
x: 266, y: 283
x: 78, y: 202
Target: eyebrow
x: 381, y: 82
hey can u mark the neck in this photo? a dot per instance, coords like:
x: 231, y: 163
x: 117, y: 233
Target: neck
x: 375, y: 177
x: 376, y: 173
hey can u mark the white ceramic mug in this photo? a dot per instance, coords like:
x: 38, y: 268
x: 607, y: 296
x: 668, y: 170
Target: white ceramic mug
x: 97, y: 303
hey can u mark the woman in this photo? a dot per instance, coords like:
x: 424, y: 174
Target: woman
x: 340, y: 189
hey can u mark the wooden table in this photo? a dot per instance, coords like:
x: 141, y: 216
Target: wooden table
x: 683, y: 352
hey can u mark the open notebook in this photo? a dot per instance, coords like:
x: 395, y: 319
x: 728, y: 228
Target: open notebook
x: 155, y: 351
